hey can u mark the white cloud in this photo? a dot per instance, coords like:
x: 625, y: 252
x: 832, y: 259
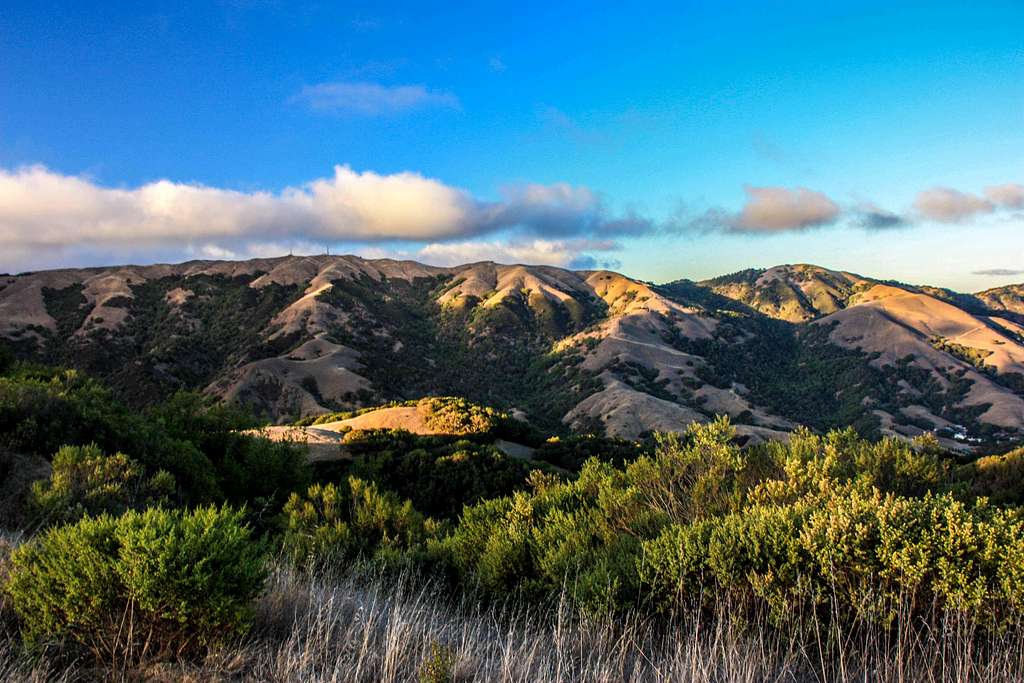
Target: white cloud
x: 44, y: 215
x: 769, y: 210
x: 778, y: 209
x: 42, y: 208
x: 373, y: 99
x: 946, y: 205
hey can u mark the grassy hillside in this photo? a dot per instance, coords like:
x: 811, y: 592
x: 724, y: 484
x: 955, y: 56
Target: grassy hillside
x: 162, y: 347
x: 798, y: 373
x: 794, y: 293
x: 596, y: 351
x: 410, y: 346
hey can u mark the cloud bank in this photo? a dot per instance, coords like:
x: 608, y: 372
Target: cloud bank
x: 948, y: 205
x: 1009, y: 196
x: 48, y: 218
x: 44, y: 212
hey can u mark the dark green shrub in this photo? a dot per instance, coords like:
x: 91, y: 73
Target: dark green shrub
x: 316, y: 524
x: 18, y: 474
x: 8, y: 618
x: 440, y: 476
x: 190, y: 436
x: 585, y: 531
x: 755, y: 554
x: 42, y: 409
x: 673, y: 566
x: 260, y: 472
x: 248, y: 469
x: 6, y: 358
x: 145, y: 586
x: 490, y: 546
x: 571, y: 452
x: 85, y: 481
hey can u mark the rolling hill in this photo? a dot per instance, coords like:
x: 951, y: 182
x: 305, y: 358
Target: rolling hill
x: 796, y: 293
x: 583, y: 350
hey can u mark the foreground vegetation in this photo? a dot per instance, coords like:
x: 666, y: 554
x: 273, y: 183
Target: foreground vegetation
x: 351, y: 627
x: 167, y: 543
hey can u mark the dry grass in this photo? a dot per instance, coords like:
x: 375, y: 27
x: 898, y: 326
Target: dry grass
x: 361, y: 627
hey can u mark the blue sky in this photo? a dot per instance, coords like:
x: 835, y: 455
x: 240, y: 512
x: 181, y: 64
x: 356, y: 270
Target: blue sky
x: 669, y: 140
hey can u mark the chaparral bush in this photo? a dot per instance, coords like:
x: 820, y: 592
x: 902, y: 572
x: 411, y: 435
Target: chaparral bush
x: 356, y: 518
x: 153, y: 585
x: 85, y: 481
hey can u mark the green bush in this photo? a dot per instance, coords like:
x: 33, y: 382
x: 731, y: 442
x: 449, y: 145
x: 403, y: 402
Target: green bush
x: 585, y: 531
x: 828, y: 522
x: 457, y: 416
x: 1000, y: 478
x: 145, y: 586
x: 85, y: 481
x: 42, y: 409
x: 340, y: 523
x: 699, y: 475
x: 190, y: 436
x: 752, y: 556
x: 249, y: 470
x: 490, y: 546
x: 571, y: 452
x: 934, y: 549
x: 866, y: 554
x: 440, y: 475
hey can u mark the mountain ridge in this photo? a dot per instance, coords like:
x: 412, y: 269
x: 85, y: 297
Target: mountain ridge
x: 588, y: 350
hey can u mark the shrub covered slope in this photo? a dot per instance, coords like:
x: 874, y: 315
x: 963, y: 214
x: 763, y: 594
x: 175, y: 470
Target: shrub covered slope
x: 149, y: 538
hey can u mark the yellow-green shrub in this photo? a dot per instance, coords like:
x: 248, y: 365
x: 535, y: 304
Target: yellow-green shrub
x: 356, y: 518
x: 862, y: 553
x: 85, y: 481
x: 933, y: 550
